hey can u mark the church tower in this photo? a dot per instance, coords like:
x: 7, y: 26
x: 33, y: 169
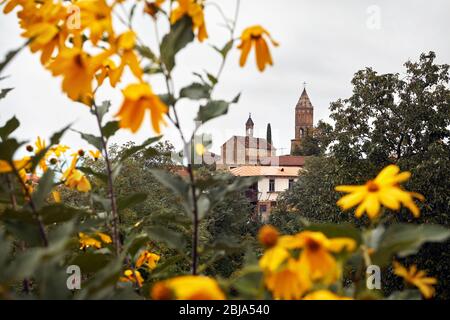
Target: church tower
x: 249, y: 126
x: 304, y: 120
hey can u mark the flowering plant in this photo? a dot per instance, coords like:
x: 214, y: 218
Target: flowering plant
x: 90, y: 44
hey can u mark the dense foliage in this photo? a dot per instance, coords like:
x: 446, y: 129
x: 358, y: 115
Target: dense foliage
x: 390, y: 118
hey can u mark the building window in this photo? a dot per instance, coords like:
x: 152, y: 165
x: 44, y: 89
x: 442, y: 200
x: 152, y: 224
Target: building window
x: 263, y: 208
x: 272, y: 185
x: 302, y: 132
x: 291, y: 184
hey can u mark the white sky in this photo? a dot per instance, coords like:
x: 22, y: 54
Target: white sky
x: 321, y: 42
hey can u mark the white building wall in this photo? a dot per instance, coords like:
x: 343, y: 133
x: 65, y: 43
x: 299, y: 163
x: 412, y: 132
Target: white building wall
x: 281, y: 184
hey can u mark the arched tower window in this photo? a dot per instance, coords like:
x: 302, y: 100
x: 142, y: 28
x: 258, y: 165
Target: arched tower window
x: 302, y: 132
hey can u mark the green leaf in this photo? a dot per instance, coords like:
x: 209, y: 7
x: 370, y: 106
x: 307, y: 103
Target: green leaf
x: 91, y: 139
x: 212, y: 78
x: 102, y: 109
x: 179, y: 36
x: 10, y: 126
x: 168, y: 99
x: 116, y: 170
x: 8, y: 148
x: 172, y: 239
x: 334, y: 230
x: 10, y: 55
x: 57, y: 213
x: 91, y: 261
x: 236, y: 99
x: 152, y: 69
x: 132, y: 150
x: 28, y: 232
x: 213, y: 109
x: 405, y: 295
x: 135, y: 242
x: 131, y: 200
x: 56, y: 137
x: 4, y: 92
x: 406, y: 239
x: 178, y: 186
x: 110, y: 128
x: 196, y: 91
x: 131, y: 15
x: 171, y: 181
x: 203, y: 206
x: 87, y: 170
x: 45, y: 185
x: 105, y: 202
x: 146, y: 52
x: 226, y: 48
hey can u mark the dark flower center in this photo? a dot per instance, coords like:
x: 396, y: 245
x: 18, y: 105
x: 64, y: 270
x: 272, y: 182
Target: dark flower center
x: 372, y: 186
x: 312, y: 245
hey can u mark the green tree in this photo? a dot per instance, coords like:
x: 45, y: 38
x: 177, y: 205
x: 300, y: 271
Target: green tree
x: 269, y: 134
x: 316, y: 141
x: 390, y: 118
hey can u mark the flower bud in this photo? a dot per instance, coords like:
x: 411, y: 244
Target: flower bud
x: 268, y: 235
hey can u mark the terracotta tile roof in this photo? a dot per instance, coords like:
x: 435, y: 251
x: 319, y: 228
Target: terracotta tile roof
x: 288, y: 161
x: 252, y: 171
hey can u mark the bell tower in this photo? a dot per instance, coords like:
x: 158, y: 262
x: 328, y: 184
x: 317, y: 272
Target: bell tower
x: 249, y: 126
x: 304, y: 120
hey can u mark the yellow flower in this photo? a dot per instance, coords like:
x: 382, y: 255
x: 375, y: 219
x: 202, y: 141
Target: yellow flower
x: 324, y: 295
x: 78, y: 70
x: 12, y: 4
x: 110, y: 70
x: 383, y: 190
x: 132, y: 276
x: 277, y: 254
x: 24, y: 163
x: 96, y: 16
x: 316, y: 254
x: 45, y: 28
x: 75, y: 179
x: 268, y: 235
x: 417, y: 278
x: 87, y: 241
x: 147, y: 259
x: 56, y: 196
x: 139, y: 98
x: 195, y: 11
x: 95, y: 154
x: 59, y: 150
x: 153, y: 7
x: 290, y: 282
x: 187, y: 288
x: 104, y: 237
x: 284, y: 276
x: 125, y: 45
x: 40, y: 147
x: 255, y: 36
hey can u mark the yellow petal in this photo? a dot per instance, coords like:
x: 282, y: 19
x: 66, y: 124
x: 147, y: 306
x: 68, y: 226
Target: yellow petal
x: 351, y: 200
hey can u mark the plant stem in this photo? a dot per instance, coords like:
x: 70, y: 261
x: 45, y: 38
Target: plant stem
x: 36, y: 215
x: 12, y: 196
x: 112, y: 196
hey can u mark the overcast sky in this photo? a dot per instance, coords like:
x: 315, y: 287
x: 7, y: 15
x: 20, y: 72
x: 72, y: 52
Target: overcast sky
x: 322, y: 43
